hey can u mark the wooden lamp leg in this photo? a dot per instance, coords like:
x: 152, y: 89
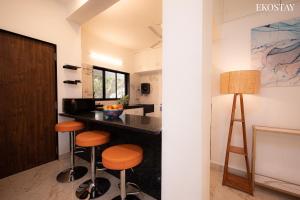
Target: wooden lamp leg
x: 229, y: 138
x: 229, y: 179
x: 245, y: 137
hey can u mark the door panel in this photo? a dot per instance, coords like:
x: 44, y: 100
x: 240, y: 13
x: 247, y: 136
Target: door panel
x: 28, y: 103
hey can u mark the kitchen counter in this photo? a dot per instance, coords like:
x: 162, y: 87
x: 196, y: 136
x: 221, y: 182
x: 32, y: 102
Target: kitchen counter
x: 78, y: 105
x: 147, y: 108
x: 134, y: 129
x: 141, y: 124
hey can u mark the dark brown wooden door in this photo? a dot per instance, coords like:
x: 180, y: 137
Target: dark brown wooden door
x: 27, y: 103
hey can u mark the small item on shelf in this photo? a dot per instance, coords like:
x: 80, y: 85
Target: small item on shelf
x: 72, y: 67
x: 112, y: 111
x: 72, y: 82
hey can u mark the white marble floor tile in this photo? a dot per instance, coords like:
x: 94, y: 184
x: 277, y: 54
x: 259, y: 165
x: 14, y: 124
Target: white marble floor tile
x: 220, y: 192
x: 40, y: 183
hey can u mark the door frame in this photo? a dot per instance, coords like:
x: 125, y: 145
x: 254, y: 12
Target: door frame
x: 55, y: 82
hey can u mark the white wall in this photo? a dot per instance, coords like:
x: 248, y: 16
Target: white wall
x: 236, y: 9
x: 91, y: 43
x: 185, y: 138
x: 155, y: 96
x: 73, y: 5
x: 45, y: 20
x: 147, y: 65
x: 147, y: 60
x: 277, y: 107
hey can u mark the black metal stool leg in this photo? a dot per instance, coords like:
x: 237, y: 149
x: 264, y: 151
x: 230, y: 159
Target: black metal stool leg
x: 74, y: 172
x: 95, y: 187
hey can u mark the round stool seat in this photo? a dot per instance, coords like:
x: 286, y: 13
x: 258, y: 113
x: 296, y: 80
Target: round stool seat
x: 92, y: 138
x: 122, y: 157
x: 69, y: 126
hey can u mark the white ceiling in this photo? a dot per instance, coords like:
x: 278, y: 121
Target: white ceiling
x: 126, y: 23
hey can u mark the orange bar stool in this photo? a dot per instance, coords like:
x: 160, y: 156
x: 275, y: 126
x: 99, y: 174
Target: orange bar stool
x: 95, y: 187
x: 74, y: 172
x: 122, y: 157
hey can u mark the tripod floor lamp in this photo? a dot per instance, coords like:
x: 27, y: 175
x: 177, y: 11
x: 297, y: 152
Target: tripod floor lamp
x: 239, y: 83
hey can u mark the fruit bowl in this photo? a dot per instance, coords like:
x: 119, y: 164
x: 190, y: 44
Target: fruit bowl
x: 112, y: 111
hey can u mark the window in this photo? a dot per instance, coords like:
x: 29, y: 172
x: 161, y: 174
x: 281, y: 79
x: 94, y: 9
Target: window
x: 109, y: 84
x: 120, y: 85
x: 98, y: 83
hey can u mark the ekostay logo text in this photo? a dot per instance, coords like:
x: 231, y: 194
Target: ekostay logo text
x: 275, y: 7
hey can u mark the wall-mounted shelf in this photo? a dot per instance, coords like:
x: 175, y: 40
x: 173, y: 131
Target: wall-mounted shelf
x: 74, y: 82
x: 72, y: 67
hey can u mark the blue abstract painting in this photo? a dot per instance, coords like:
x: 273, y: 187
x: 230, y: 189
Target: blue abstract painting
x: 275, y: 50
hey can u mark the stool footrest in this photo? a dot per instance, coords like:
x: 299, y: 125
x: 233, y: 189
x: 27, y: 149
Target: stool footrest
x: 128, y: 197
x: 101, y: 169
x: 135, y: 186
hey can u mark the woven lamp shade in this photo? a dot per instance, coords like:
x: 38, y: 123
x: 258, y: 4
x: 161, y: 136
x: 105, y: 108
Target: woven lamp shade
x: 244, y: 82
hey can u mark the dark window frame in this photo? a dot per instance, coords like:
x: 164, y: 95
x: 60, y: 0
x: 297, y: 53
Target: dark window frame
x: 127, y: 79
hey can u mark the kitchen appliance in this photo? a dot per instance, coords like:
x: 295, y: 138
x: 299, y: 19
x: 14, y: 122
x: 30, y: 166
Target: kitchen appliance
x: 78, y: 105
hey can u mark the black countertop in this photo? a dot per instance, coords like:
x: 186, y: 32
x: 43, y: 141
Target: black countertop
x: 147, y: 108
x: 144, y: 124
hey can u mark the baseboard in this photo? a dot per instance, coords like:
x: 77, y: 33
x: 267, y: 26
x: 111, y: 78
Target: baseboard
x: 64, y: 156
x: 220, y: 167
